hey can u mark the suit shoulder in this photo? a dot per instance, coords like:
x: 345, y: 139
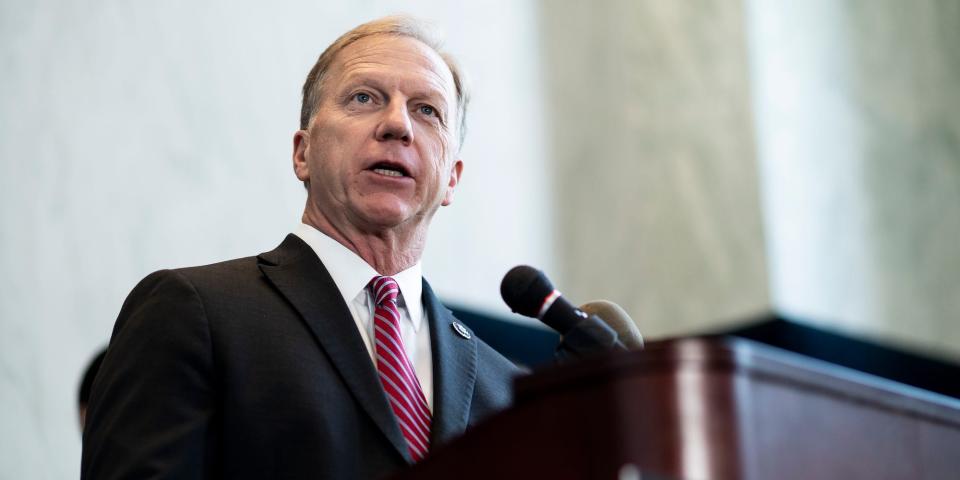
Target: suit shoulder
x: 237, y: 275
x: 221, y: 270
x: 218, y: 282
x: 194, y: 274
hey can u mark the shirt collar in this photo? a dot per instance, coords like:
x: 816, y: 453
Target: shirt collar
x: 351, y: 273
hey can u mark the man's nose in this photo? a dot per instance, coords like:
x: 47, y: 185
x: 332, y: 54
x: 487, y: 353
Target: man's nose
x: 395, y: 124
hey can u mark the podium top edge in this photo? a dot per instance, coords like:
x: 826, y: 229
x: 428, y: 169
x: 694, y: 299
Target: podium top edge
x: 739, y: 360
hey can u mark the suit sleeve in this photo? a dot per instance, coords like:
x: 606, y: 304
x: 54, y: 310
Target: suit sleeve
x: 152, y: 402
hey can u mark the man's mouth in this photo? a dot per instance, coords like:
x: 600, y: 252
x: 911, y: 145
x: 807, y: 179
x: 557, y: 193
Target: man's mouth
x: 390, y: 169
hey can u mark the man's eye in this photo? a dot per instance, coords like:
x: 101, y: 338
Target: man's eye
x: 362, y: 97
x: 427, y: 110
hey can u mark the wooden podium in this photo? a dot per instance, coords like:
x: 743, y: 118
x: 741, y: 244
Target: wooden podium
x: 707, y: 407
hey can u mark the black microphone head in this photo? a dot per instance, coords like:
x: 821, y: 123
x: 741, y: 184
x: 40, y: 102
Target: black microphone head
x: 524, y: 289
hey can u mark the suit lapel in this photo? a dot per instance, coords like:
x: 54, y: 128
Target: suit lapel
x: 454, y: 371
x: 294, y: 269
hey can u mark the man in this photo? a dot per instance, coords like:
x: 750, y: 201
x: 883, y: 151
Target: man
x: 327, y: 357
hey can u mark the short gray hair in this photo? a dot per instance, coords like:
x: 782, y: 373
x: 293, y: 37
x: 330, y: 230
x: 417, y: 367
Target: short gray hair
x: 400, y: 25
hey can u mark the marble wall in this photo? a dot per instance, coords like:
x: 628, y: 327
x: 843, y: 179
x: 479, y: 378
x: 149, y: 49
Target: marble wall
x: 653, y: 162
x: 858, y: 121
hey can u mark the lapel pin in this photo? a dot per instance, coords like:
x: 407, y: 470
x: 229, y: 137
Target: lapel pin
x: 461, y: 330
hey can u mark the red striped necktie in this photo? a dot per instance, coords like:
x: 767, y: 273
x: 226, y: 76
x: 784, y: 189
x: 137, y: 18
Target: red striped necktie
x: 396, y: 374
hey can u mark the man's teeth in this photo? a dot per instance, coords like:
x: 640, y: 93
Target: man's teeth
x: 389, y: 173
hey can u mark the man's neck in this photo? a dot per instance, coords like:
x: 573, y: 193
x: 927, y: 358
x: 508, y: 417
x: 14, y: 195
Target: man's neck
x: 388, y: 251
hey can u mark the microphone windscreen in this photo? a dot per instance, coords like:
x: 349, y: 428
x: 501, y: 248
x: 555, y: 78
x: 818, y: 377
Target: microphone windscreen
x: 618, y: 319
x: 524, y: 289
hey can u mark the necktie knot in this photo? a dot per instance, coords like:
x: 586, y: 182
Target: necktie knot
x: 385, y: 289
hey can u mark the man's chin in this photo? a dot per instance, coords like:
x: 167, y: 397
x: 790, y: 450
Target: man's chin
x: 385, y: 217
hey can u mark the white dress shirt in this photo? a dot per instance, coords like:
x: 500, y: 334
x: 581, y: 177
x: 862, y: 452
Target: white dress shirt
x: 352, y: 274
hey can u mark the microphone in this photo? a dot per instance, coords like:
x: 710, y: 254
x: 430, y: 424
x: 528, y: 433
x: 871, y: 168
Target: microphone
x: 527, y: 291
x: 618, y: 319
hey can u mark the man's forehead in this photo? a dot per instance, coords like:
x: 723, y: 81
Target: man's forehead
x: 395, y: 52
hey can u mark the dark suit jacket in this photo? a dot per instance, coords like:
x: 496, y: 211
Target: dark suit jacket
x: 253, y: 368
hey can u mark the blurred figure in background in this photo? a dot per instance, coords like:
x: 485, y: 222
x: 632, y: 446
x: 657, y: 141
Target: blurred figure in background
x: 86, y: 384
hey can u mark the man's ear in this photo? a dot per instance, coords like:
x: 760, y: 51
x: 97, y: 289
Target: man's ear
x: 300, y: 167
x: 455, y: 171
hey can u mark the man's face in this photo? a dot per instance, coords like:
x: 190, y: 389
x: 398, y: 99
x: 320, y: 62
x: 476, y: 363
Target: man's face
x: 379, y: 149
